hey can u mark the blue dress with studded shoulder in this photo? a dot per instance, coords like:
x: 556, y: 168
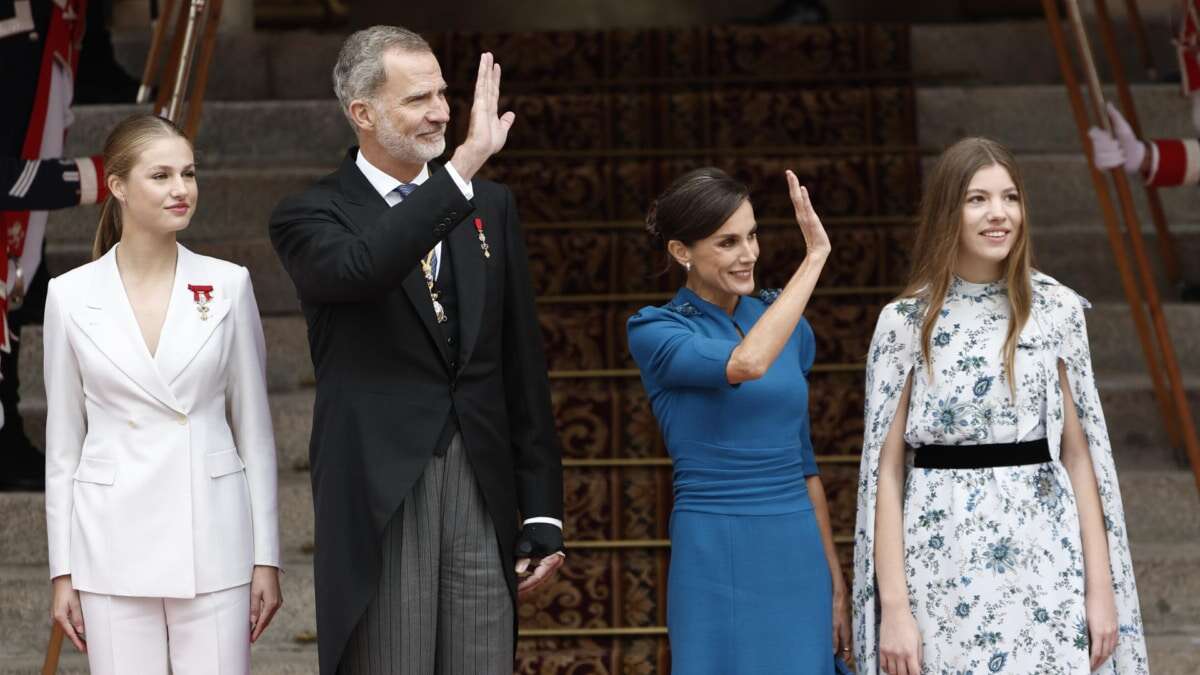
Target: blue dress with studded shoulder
x: 749, y: 588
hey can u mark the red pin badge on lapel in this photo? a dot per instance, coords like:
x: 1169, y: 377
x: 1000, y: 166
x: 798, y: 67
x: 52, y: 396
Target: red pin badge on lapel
x: 202, y: 295
x: 483, y: 245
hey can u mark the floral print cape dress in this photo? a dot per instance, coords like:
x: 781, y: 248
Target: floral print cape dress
x: 992, y: 556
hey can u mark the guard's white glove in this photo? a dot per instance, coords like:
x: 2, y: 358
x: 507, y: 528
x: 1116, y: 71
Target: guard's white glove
x: 1120, y: 148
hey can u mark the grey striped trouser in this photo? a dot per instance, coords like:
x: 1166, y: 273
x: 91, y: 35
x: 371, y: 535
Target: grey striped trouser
x: 442, y: 605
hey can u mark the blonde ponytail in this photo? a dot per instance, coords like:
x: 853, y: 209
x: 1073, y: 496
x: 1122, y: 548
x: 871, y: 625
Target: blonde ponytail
x: 108, y: 232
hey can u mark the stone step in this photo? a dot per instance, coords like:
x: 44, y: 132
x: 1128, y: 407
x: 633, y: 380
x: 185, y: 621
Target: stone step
x: 25, y: 603
x: 233, y: 133
x: 948, y: 113
x: 1020, y: 51
x: 622, y: 262
x: 1170, y: 654
x: 263, y: 660
x: 266, y: 133
x: 297, y: 64
x: 583, y: 188
x: 23, y: 529
x: 591, y: 426
x: 1175, y: 654
x: 1165, y: 583
x: 1059, y: 193
x: 288, y: 363
x: 237, y: 202
x: 1082, y: 258
x: 1161, y: 506
x: 726, y: 115
x: 1113, y: 340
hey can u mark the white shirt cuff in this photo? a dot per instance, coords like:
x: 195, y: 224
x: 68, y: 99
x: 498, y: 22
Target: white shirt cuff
x: 548, y: 521
x: 464, y: 186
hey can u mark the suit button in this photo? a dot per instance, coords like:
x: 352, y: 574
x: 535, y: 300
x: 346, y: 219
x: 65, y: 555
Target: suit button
x: 132, y: 424
x: 182, y: 420
x: 454, y: 214
x: 450, y: 341
x: 445, y: 221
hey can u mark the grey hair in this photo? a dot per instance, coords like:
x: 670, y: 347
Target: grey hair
x: 359, y: 72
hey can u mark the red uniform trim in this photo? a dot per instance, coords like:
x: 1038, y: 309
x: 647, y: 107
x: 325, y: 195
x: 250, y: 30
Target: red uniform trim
x: 1187, y: 45
x: 1176, y: 162
x: 62, y: 40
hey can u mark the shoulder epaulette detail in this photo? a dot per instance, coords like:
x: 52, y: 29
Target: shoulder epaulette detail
x: 683, y: 308
x: 768, y: 295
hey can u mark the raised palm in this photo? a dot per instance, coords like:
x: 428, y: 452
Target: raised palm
x: 815, y: 238
x: 488, y: 130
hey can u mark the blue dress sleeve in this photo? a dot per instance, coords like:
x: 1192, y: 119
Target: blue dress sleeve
x: 670, y: 353
x: 808, y: 355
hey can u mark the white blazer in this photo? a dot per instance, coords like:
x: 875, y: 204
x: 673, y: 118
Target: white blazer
x: 150, y: 490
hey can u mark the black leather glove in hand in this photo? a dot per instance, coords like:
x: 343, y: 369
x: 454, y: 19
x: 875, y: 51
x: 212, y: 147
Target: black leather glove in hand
x: 538, y: 540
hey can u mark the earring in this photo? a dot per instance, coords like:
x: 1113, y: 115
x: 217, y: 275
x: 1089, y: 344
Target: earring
x: 687, y: 266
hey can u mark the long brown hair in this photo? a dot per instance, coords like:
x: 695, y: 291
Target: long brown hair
x: 935, y: 252
x: 121, y: 152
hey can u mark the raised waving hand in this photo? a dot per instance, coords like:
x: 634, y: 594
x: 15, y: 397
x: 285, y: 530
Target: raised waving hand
x: 488, y: 130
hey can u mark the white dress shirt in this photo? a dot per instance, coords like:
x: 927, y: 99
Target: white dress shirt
x: 385, y: 184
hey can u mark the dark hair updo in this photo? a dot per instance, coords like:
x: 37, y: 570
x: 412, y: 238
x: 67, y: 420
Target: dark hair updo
x: 693, y: 207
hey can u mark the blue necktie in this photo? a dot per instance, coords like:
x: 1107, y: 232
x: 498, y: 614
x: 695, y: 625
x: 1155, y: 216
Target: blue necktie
x: 404, y: 190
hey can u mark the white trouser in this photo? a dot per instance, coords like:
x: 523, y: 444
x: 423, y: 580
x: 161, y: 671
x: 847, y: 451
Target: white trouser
x: 205, y: 635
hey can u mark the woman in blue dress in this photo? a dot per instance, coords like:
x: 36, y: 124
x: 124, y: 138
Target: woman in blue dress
x: 755, y: 585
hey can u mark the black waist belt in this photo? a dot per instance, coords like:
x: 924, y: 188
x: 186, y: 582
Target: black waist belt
x: 983, y: 456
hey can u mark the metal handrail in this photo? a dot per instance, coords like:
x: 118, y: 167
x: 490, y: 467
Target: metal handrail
x: 1173, y: 402
x: 180, y: 97
x: 1166, y: 241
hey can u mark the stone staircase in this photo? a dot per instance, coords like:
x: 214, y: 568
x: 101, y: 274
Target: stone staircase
x: 587, y: 154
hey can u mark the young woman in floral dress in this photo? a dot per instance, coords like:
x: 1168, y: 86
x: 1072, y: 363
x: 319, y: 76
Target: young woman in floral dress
x: 1004, y: 549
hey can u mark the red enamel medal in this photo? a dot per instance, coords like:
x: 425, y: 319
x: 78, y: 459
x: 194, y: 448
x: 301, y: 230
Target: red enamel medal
x: 483, y: 245
x: 201, y: 295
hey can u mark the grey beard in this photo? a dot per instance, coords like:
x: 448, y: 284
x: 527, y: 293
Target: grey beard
x: 407, y: 149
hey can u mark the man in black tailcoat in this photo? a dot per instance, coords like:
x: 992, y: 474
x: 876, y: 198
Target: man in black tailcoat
x: 432, y: 427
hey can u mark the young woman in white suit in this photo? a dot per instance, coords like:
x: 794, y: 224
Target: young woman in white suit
x: 160, y: 509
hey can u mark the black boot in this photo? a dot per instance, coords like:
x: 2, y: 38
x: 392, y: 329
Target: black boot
x: 1189, y: 292
x: 22, y: 465
x: 24, y: 470
x: 100, y: 78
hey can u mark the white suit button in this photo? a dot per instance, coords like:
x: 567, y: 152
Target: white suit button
x: 182, y: 420
x: 132, y: 424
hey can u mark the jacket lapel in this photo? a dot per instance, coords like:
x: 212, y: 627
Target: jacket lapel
x: 358, y: 200
x: 363, y: 206
x: 418, y: 294
x: 184, y: 331
x: 108, y: 321
x: 470, y: 273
